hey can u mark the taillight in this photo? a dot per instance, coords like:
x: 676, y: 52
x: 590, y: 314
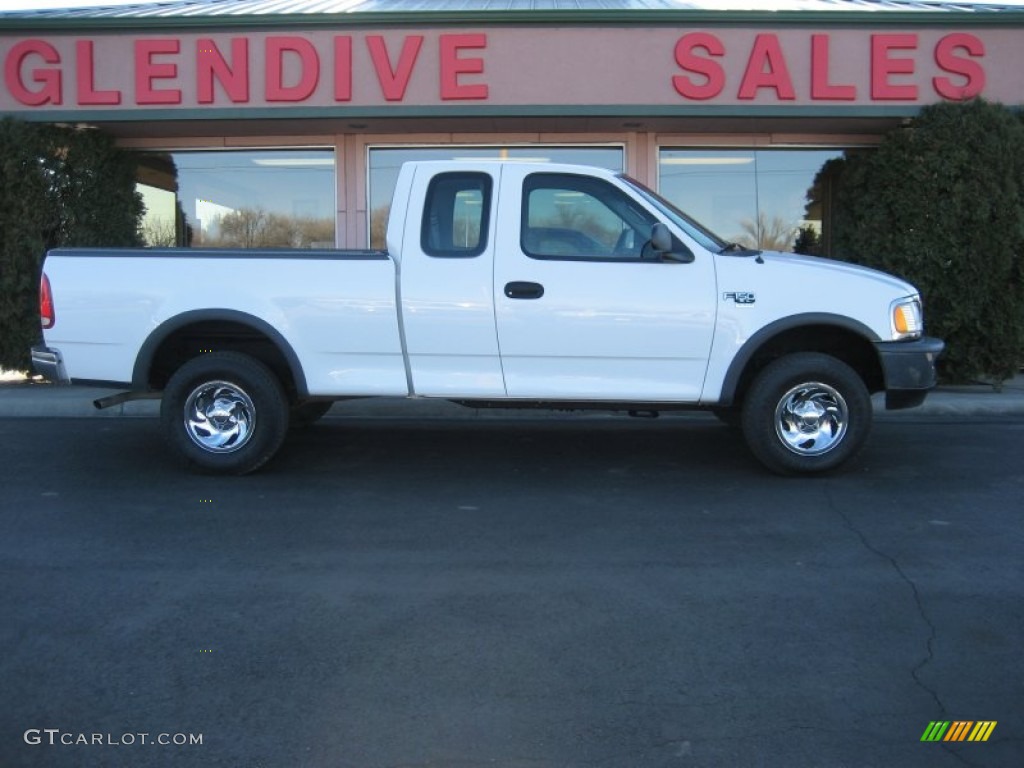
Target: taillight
x: 46, y: 313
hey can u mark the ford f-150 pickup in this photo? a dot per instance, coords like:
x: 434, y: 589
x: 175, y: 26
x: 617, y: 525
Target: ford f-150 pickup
x: 503, y: 283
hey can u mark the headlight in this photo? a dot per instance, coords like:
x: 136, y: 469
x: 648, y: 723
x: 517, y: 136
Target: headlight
x: 907, y: 318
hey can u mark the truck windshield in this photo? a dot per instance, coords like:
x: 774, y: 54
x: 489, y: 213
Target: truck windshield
x: 701, y: 234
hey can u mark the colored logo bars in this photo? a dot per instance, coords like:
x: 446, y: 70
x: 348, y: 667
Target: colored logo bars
x: 958, y: 730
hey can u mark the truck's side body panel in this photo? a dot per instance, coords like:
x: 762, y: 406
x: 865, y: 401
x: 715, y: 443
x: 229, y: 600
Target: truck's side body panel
x: 337, y: 312
x: 756, y: 294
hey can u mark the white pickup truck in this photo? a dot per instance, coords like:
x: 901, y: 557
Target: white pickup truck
x: 503, y: 283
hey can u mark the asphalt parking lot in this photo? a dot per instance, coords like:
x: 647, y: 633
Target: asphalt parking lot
x: 539, y: 593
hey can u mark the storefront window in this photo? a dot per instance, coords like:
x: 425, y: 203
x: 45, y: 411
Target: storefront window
x: 239, y: 199
x: 764, y: 199
x: 385, y: 162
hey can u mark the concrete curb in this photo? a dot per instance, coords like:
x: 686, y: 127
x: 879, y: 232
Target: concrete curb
x: 25, y: 399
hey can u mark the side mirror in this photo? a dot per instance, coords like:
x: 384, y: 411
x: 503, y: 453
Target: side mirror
x: 665, y: 246
x: 661, y: 238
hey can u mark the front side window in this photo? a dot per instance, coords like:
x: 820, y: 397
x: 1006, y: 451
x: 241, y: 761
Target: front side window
x: 456, y: 214
x: 581, y: 218
x: 239, y: 199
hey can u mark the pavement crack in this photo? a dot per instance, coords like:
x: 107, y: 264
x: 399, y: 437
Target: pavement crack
x: 929, y: 656
x: 963, y: 760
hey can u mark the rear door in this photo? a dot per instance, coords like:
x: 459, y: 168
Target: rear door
x: 446, y: 283
x: 584, y: 310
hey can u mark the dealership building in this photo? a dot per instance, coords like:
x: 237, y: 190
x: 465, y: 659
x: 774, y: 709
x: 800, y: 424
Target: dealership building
x: 284, y: 122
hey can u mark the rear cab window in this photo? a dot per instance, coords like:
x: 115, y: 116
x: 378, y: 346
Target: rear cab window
x: 456, y: 215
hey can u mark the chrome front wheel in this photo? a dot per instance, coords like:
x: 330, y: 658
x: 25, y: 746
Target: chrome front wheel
x: 811, y: 419
x: 806, y: 412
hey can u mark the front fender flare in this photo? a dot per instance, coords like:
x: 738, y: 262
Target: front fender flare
x: 751, y: 346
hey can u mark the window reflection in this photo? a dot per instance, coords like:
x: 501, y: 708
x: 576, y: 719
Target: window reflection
x: 765, y: 199
x: 239, y: 199
x: 385, y: 163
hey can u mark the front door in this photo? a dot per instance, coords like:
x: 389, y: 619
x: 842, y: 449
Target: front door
x: 585, y: 309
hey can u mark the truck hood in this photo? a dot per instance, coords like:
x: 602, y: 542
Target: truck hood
x: 841, y: 268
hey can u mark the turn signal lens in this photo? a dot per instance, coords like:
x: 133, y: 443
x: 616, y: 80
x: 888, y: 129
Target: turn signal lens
x: 906, y: 319
x: 900, y: 319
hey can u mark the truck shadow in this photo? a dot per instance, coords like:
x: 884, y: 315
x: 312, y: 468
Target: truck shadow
x: 571, y: 450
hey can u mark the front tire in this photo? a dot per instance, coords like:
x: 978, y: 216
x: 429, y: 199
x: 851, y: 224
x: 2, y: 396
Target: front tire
x: 225, y: 412
x: 731, y: 416
x: 806, y: 413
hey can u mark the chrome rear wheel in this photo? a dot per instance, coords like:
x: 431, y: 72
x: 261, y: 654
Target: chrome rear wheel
x: 219, y: 416
x: 225, y: 412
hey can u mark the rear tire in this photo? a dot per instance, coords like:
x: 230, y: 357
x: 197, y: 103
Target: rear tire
x: 806, y: 413
x: 225, y: 412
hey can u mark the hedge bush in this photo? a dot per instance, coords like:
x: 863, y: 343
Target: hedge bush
x: 58, y: 187
x: 941, y: 203
x: 26, y: 218
x: 94, y: 185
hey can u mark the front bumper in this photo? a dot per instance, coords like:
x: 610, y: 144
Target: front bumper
x: 909, y: 370
x: 49, y: 364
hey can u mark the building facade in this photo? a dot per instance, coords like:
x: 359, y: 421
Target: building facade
x: 284, y: 122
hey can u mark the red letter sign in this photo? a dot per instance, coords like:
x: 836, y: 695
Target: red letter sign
x: 821, y: 88
x: 146, y: 71
x: 85, y: 75
x: 210, y: 65
x: 49, y: 78
x: 309, y: 69
x: 882, y: 67
x: 767, y: 51
x: 711, y: 70
x: 972, y: 71
x: 343, y: 68
x: 452, y: 66
x: 393, y: 82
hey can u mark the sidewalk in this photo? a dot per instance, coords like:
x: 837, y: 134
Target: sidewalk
x: 20, y: 398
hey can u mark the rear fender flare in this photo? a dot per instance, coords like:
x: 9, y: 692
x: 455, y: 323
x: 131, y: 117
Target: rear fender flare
x: 144, y: 360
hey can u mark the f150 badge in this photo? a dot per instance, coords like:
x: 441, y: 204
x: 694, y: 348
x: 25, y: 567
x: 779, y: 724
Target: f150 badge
x: 740, y: 297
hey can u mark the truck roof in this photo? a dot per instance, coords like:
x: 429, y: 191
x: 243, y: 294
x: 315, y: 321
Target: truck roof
x: 494, y: 163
